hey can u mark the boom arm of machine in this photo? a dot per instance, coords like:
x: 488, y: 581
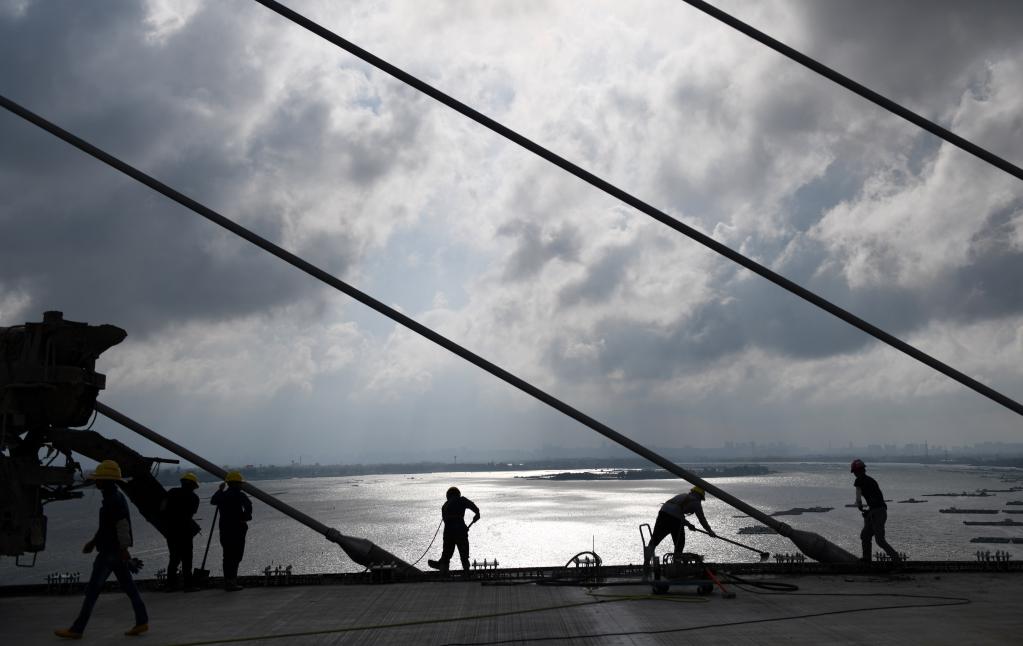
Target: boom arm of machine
x: 48, y: 382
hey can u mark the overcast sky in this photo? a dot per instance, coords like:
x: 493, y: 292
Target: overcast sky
x: 245, y: 360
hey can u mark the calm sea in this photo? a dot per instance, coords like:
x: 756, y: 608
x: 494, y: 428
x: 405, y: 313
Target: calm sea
x: 540, y: 522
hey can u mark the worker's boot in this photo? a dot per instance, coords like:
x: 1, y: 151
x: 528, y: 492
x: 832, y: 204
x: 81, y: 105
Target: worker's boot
x: 136, y: 630
x: 231, y: 585
x: 170, y: 584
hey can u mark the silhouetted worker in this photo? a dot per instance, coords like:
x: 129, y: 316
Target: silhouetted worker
x: 179, y: 506
x: 876, y: 514
x: 235, y: 514
x: 456, y: 532
x: 670, y: 519
x: 111, y: 542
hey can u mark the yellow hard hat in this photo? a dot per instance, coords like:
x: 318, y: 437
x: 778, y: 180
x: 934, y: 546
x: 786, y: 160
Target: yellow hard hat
x: 107, y: 470
x: 234, y: 476
x: 191, y: 477
x: 698, y: 491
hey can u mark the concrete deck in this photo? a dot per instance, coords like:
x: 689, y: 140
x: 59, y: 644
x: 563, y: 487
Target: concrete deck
x: 918, y: 608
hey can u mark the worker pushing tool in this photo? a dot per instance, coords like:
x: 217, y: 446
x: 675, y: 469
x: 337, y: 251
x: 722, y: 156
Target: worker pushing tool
x: 671, y: 519
x: 456, y: 532
x: 876, y: 514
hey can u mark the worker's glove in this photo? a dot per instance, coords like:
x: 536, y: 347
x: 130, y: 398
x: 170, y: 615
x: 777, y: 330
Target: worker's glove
x: 691, y: 527
x: 134, y: 565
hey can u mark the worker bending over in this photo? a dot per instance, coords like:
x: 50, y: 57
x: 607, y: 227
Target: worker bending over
x: 876, y: 514
x: 671, y: 518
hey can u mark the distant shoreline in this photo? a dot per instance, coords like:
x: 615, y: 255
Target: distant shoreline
x: 169, y: 474
x: 597, y: 469
x: 654, y: 474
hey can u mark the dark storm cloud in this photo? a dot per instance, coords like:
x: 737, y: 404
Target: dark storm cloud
x: 299, y: 134
x: 133, y: 259
x: 80, y: 237
x: 989, y: 285
x: 752, y: 313
x: 748, y: 312
x: 602, y: 278
x: 535, y: 246
x: 918, y: 51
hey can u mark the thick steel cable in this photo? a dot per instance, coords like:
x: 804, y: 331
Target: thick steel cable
x: 368, y: 300
x: 642, y: 206
x: 811, y: 544
x: 862, y: 90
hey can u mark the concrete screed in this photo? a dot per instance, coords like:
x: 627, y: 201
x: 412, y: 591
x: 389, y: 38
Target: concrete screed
x: 952, y: 608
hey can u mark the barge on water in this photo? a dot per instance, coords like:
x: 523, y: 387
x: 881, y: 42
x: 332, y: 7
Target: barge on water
x: 955, y: 510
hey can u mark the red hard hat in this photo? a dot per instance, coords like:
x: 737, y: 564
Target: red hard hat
x: 857, y: 465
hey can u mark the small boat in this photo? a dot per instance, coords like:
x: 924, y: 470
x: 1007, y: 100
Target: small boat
x: 953, y: 510
x: 756, y: 529
x: 914, y: 500
x: 796, y: 511
x: 1007, y: 522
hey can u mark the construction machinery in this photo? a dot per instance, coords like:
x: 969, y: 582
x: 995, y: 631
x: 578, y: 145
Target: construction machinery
x: 49, y: 386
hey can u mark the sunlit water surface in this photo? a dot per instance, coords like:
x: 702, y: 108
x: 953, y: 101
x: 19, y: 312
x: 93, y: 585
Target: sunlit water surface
x: 540, y: 522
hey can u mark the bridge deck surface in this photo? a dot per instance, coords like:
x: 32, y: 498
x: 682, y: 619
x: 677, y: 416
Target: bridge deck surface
x: 827, y: 609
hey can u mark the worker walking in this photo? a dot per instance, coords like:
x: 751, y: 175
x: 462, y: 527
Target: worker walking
x: 670, y: 520
x: 235, y: 513
x: 111, y: 542
x: 456, y: 532
x: 178, y: 508
x: 876, y: 514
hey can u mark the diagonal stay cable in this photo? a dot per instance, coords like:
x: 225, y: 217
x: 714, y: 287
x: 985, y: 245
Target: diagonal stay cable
x: 642, y: 206
x: 389, y: 312
x: 853, y: 86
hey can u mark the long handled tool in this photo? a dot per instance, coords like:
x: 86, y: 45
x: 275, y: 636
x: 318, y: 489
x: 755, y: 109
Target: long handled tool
x: 763, y: 555
x: 200, y: 575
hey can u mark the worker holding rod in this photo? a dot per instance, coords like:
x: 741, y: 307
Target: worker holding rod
x: 456, y: 532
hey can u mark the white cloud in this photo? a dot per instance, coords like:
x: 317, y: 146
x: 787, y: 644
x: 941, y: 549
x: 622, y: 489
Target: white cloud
x: 241, y: 361
x: 164, y: 17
